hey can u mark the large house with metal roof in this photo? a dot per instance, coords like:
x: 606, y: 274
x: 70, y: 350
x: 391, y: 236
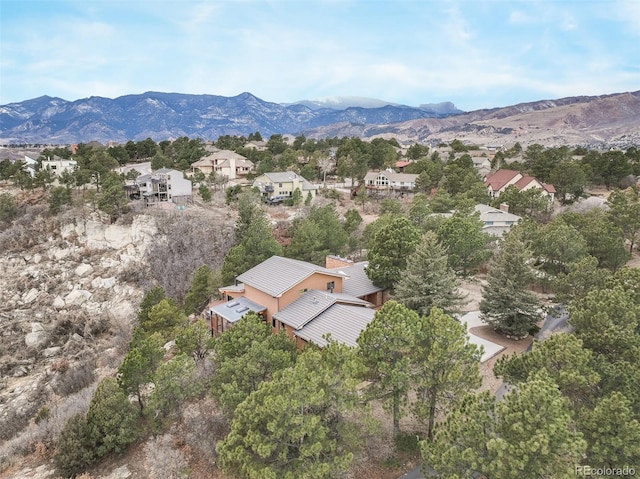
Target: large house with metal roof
x: 305, y: 300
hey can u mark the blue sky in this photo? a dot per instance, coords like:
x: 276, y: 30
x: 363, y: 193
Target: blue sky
x: 475, y: 53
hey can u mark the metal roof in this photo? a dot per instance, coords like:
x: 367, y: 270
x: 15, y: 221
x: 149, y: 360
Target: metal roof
x: 305, y: 308
x: 312, y: 303
x: 489, y: 213
x: 343, y: 322
x: 356, y: 282
x: 277, y: 275
x: 235, y: 309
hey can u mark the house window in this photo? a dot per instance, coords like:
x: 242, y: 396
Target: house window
x: 279, y: 185
x: 331, y: 286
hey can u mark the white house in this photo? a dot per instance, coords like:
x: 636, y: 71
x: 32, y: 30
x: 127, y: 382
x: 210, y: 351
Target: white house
x: 496, y: 221
x: 390, y: 181
x: 165, y: 185
x: 30, y: 165
x: 59, y: 165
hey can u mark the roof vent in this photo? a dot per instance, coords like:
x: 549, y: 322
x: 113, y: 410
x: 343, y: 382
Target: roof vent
x: 314, y: 300
x: 233, y: 305
x: 242, y: 310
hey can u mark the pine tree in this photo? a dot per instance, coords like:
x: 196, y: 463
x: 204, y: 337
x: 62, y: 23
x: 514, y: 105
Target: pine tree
x: 202, y: 288
x: 506, y: 304
x: 385, y: 347
x: 444, y: 366
x: 294, y: 425
x: 391, y: 246
x: 428, y: 280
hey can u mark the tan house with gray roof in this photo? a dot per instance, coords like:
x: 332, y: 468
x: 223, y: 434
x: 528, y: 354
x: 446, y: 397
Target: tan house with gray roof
x: 305, y: 300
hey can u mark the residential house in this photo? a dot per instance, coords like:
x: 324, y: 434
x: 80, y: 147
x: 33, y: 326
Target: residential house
x: 496, y: 221
x: 390, y: 182
x: 283, y: 184
x: 256, y: 145
x: 143, y: 168
x: 164, y: 185
x: 225, y: 163
x: 304, y: 300
x: 30, y: 165
x: 59, y: 165
x: 401, y: 165
x: 482, y: 164
x: 499, y: 181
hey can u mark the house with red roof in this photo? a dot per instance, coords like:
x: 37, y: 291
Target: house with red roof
x: 499, y: 181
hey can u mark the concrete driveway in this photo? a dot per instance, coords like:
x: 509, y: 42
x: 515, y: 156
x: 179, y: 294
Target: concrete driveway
x: 472, y: 320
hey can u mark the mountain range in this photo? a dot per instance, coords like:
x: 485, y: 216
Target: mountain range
x: 596, y: 120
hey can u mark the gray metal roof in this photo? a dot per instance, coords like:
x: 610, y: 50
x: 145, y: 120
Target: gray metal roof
x: 311, y: 304
x: 343, y: 322
x: 356, y: 282
x: 489, y: 213
x: 277, y: 275
x: 235, y: 309
x: 305, y: 308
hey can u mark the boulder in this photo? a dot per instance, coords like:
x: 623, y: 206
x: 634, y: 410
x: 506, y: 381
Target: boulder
x: 77, y: 297
x: 83, y: 269
x: 58, y: 303
x: 108, y: 283
x: 50, y: 352
x: 36, y: 339
x: 30, y: 296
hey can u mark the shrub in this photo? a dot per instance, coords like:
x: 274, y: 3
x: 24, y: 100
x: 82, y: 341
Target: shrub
x: 111, y: 418
x: 74, y: 451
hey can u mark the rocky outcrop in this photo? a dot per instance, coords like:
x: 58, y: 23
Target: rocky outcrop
x: 63, y: 301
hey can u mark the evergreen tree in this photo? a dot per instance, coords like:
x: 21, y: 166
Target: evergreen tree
x: 202, y: 288
x: 612, y: 433
x: 625, y: 213
x: 139, y: 364
x: 444, y: 366
x: 385, y: 347
x: 564, y: 358
x: 59, y: 196
x: 74, y: 449
x: 391, y: 246
x: 294, y: 425
x: 195, y: 340
x: 247, y: 355
x: 530, y: 433
x: 254, y: 235
x: 428, y: 281
x: 205, y: 193
x: 506, y: 304
x: 465, y: 242
x: 534, y: 434
x: 111, y: 419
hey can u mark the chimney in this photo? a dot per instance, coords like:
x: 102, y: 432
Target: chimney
x: 504, y: 207
x: 332, y: 261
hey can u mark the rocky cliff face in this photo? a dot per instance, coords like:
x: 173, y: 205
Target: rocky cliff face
x: 67, y: 306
